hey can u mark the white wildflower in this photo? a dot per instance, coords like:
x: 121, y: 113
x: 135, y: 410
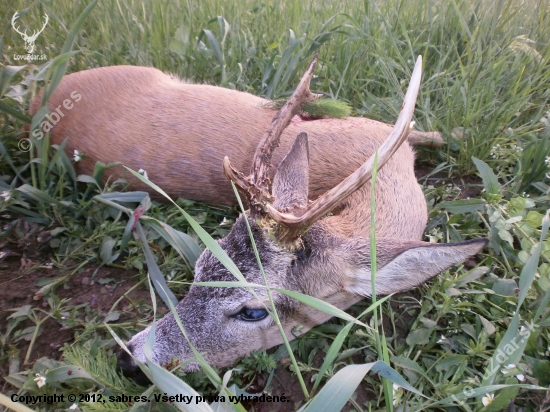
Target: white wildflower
x: 40, y: 380
x: 487, y: 399
x: 511, y: 368
x: 143, y: 173
x: 73, y: 407
x: 78, y: 155
x: 443, y: 338
x: 504, y: 152
x: 497, y: 152
x: 435, y: 235
x: 6, y: 195
x: 398, y: 392
x: 521, y: 377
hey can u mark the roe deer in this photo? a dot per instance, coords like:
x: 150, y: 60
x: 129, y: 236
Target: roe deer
x: 179, y: 132
x: 302, y: 245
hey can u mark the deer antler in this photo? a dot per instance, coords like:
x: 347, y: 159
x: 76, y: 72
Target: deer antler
x: 13, y: 20
x: 294, y: 225
x: 257, y: 186
x: 37, y: 32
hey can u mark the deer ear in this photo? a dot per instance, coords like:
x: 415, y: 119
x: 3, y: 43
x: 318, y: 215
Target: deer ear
x: 410, y: 266
x: 291, y: 182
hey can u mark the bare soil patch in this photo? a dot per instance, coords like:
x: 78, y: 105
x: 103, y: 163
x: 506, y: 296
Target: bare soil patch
x: 20, y: 277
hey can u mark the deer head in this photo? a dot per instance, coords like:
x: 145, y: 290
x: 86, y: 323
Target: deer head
x: 303, y: 248
x: 29, y: 40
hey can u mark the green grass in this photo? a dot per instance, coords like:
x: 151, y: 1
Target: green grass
x: 486, y: 88
x: 486, y: 63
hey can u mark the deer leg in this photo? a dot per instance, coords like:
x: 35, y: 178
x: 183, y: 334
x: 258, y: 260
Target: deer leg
x: 432, y: 139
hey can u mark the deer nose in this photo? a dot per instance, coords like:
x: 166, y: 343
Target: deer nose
x: 130, y: 369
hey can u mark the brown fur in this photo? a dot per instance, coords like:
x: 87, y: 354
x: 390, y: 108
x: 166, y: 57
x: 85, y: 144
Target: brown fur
x: 179, y: 133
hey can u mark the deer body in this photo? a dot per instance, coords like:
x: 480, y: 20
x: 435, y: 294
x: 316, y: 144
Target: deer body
x: 180, y: 133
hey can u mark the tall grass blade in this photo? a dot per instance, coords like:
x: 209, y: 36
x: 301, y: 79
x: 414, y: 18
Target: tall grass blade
x: 40, y: 196
x: 208, y: 241
x: 182, y: 243
x: 6, y: 75
x: 163, y: 379
x: 15, y: 406
x: 14, y: 112
x: 332, y: 354
x: 209, y: 371
x: 336, y: 392
x: 59, y: 65
x: 156, y: 275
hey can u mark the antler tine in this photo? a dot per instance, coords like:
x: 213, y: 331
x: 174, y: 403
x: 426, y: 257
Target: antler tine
x: 37, y: 32
x: 331, y: 199
x: 270, y: 139
x: 47, y: 19
x: 257, y: 185
x: 13, y: 20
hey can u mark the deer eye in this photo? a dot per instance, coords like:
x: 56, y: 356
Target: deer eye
x: 251, y: 315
